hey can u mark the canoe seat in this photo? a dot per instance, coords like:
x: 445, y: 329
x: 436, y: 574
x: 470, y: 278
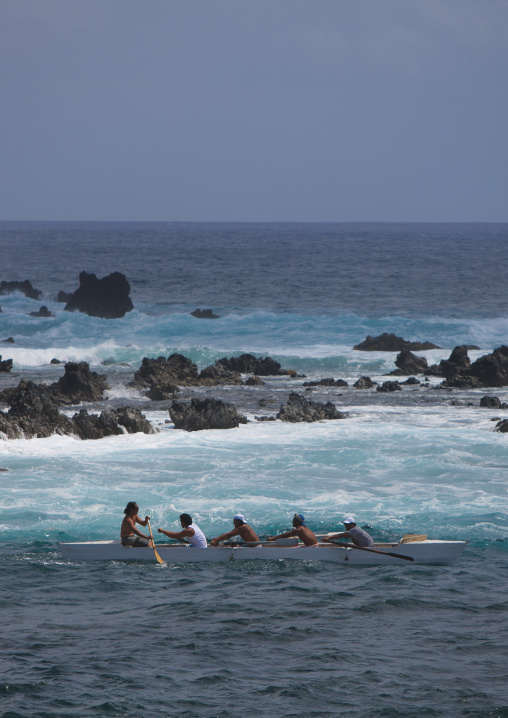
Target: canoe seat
x: 412, y: 538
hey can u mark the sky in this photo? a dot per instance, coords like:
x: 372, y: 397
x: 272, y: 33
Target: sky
x: 254, y: 110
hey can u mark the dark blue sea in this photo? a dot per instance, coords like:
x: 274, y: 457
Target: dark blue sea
x: 272, y: 639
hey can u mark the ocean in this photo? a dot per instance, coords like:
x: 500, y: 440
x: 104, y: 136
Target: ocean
x: 271, y: 639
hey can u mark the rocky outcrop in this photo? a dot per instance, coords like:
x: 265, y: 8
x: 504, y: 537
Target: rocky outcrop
x: 217, y: 375
x: 34, y: 414
x: 254, y: 381
x: 364, y: 382
x: 298, y: 408
x: 24, y: 287
x: 43, y: 312
x: 163, y: 376
x: 107, y: 298
x: 5, y: 365
x: 204, y: 314
x: 249, y: 364
x: 490, y: 370
x: 329, y: 381
x: 205, y: 414
x: 64, y: 297
x: 78, y: 384
x: 457, y: 363
x: 492, y: 402
x: 408, y: 364
x: 111, y: 422
x: 391, y: 343
x: 502, y: 426
x: 389, y: 386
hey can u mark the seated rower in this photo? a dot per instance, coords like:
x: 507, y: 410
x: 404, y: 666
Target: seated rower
x: 241, y: 529
x: 129, y: 534
x: 190, y: 533
x: 300, y: 530
x: 357, y: 535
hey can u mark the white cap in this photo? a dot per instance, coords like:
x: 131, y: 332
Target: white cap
x: 238, y: 517
x: 348, y: 520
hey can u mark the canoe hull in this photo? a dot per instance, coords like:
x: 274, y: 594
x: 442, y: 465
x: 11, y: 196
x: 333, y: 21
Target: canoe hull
x: 423, y: 552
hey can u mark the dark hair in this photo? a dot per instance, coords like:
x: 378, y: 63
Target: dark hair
x: 131, y: 506
x: 186, y: 518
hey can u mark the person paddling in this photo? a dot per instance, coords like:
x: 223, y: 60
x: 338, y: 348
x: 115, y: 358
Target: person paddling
x: 241, y: 529
x: 357, y: 535
x: 130, y: 535
x: 190, y: 532
x: 301, y: 530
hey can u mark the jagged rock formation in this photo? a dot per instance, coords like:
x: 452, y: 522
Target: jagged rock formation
x: 391, y: 343
x: 298, y: 408
x: 249, y: 364
x: 364, y: 382
x: 204, y: 314
x: 205, y: 414
x: 43, y: 312
x: 408, y: 364
x: 107, y: 298
x: 5, y: 365
x: 329, y: 381
x: 24, y: 287
x: 502, y: 426
x: 34, y: 413
x: 389, y: 386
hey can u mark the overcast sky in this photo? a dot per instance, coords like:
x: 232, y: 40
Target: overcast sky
x: 254, y: 110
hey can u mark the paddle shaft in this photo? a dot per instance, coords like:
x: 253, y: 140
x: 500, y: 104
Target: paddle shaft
x: 372, y: 550
x: 153, y: 544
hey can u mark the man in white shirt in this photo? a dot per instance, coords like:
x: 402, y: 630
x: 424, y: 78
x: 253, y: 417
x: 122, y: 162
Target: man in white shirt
x: 357, y: 535
x: 190, y: 533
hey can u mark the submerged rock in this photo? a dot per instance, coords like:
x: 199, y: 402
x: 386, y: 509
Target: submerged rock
x: 298, y: 408
x: 391, y: 343
x: 327, y: 382
x: 249, y: 364
x: 502, y: 426
x: 205, y: 414
x: 107, y: 298
x: 389, y: 386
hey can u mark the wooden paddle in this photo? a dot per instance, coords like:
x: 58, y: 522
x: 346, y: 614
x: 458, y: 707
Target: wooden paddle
x: 153, y: 544
x: 372, y: 550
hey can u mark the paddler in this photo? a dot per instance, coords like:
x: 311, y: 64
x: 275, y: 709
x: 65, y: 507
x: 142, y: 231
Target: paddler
x: 241, y: 529
x: 300, y: 530
x: 129, y: 534
x: 190, y: 533
x: 357, y: 535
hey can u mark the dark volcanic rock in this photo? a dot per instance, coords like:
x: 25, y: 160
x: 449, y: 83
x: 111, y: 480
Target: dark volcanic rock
x: 111, y: 422
x: 391, y: 343
x: 107, y: 298
x: 364, y: 382
x: 457, y: 363
x: 163, y: 376
x: 298, y: 408
x: 78, y: 384
x: 33, y: 413
x: 493, y: 402
x: 205, y: 414
x: 492, y: 369
x: 254, y: 381
x: 249, y: 364
x: 217, y: 374
x: 64, y: 297
x: 327, y: 382
x: 389, y: 386
x: 5, y: 365
x: 9, y: 340
x: 408, y: 363
x: 23, y: 287
x: 43, y: 312
x: 502, y: 426
x: 204, y: 314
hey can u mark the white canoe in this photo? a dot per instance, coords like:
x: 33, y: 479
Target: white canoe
x: 422, y: 552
